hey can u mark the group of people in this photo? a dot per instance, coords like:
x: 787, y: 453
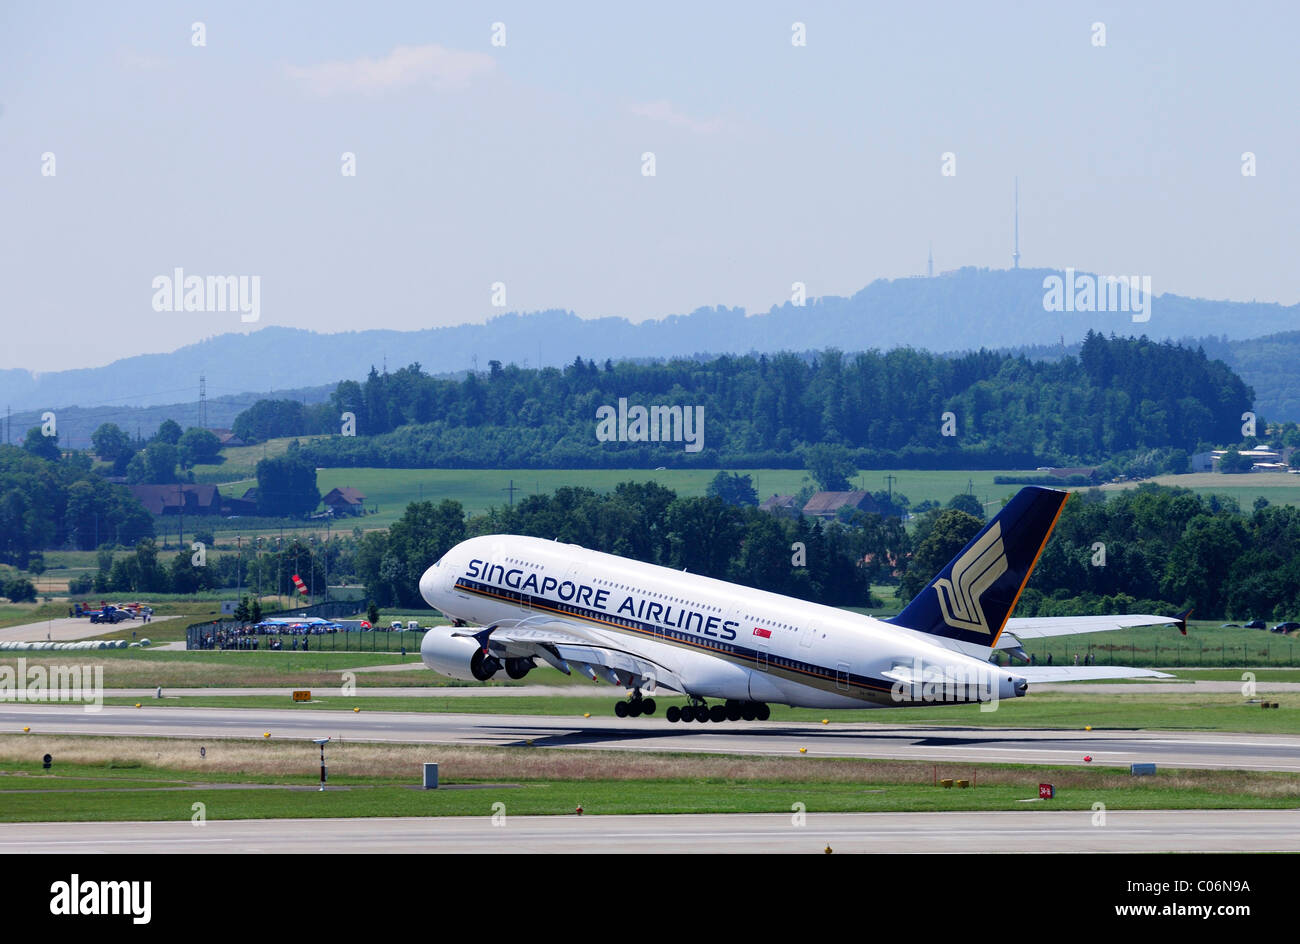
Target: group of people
x: 248, y: 637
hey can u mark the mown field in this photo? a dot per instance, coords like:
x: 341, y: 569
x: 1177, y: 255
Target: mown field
x: 390, y: 490
x: 160, y: 779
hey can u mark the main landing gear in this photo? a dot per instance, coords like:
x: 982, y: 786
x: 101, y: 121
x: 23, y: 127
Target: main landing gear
x: 635, y: 706
x: 731, y: 710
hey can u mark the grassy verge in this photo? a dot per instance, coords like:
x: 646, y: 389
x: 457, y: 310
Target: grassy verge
x: 120, y: 779
x: 143, y: 668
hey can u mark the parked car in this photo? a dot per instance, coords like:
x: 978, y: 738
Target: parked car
x: 1286, y: 627
x: 1230, y: 626
x: 1256, y: 624
x: 395, y: 624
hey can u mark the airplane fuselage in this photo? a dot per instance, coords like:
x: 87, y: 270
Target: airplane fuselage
x: 708, y: 638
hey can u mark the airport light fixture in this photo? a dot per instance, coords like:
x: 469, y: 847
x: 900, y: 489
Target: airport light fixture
x: 321, y: 742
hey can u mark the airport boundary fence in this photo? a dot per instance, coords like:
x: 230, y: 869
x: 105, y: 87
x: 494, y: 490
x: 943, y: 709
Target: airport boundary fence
x: 1270, y: 651
x: 234, y: 635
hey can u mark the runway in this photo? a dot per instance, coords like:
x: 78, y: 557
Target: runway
x: 881, y: 740
x: 1032, y: 831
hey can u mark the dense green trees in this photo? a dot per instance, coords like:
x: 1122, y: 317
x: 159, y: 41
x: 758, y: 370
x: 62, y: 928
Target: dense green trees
x: 733, y: 489
x: 941, y: 536
x: 155, y: 464
x: 47, y: 503
x: 649, y: 523
x: 1167, y: 549
x: 286, y: 486
x: 268, y: 419
x: 169, y: 432
x: 967, y: 503
x: 111, y: 443
x: 391, y: 563
x: 828, y: 412
x: 830, y: 465
x: 42, y: 446
x: 198, y: 445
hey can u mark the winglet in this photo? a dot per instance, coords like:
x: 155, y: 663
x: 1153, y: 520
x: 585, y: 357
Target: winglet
x: 481, y: 637
x: 1182, y: 620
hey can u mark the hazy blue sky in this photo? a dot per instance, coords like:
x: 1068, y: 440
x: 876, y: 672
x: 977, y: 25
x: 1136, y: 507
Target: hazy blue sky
x: 522, y: 164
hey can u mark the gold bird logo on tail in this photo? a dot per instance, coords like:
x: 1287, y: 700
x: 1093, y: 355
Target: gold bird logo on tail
x: 972, y: 574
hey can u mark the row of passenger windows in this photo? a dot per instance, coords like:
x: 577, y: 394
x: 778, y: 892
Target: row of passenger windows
x: 650, y: 594
x: 759, y: 621
x: 675, y: 634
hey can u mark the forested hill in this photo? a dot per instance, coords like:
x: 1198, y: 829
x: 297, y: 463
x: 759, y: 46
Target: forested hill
x: 966, y: 309
x: 888, y: 409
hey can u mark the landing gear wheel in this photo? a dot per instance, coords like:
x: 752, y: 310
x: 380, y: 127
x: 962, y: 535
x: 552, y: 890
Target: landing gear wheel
x: 747, y: 711
x: 702, y: 713
x: 620, y: 709
x: 518, y: 668
x: 634, y: 709
x: 647, y: 706
x: 718, y: 713
x: 764, y: 712
x: 673, y: 714
x: 733, y: 711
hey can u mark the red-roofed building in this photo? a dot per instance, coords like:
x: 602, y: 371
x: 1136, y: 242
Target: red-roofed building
x: 171, y: 499
x: 345, y: 501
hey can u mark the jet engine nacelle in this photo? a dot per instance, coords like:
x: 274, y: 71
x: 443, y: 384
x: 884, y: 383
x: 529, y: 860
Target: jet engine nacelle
x: 457, y: 656
x: 460, y: 657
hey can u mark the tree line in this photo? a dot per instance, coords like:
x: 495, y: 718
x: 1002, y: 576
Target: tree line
x: 54, y: 502
x: 829, y: 562
x: 1151, y: 549
x: 975, y: 410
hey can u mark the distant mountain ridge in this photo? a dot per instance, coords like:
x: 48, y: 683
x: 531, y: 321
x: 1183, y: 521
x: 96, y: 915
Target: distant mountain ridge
x: 965, y: 309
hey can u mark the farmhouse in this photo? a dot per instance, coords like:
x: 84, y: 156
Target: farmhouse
x: 780, y: 505
x: 178, y: 499
x: 827, y: 505
x: 345, y: 501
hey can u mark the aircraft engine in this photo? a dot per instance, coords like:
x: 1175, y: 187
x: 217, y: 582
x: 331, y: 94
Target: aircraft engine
x: 457, y: 656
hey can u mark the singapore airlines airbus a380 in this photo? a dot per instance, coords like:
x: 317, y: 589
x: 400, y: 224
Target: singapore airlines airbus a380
x: 645, y: 628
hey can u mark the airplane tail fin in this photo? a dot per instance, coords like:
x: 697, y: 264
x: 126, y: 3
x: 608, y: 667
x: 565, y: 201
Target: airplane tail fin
x: 971, y: 598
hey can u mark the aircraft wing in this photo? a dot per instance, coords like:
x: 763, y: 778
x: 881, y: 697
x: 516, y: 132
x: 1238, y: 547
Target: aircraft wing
x: 1038, y: 627
x: 1083, y: 673
x: 566, y: 647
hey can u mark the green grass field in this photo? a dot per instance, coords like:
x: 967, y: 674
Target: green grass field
x: 241, y: 462
x: 1280, y: 488
x: 151, y: 779
x: 145, y: 668
x: 390, y: 490
x: 1206, y: 645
